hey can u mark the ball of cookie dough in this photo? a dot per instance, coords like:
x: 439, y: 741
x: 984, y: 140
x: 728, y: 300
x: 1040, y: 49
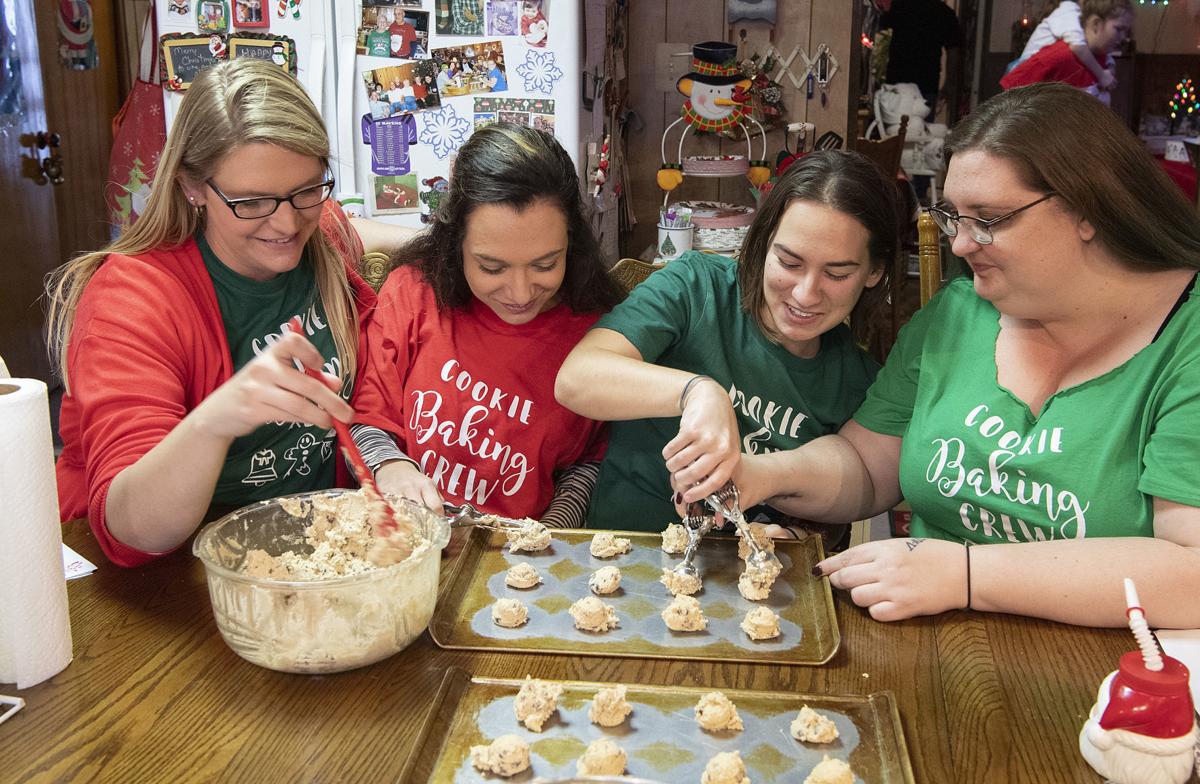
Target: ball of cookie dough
x: 605, y: 545
x: 509, y: 613
x: 604, y: 580
x: 506, y: 756
x: 535, y: 702
x: 755, y: 584
x: 716, y: 713
x: 602, y: 758
x: 725, y: 768
x: 830, y: 771
x: 522, y: 575
x: 811, y: 727
x: 593, y: 615
x: 683, y: 614
x: 531, y: 537
x: 680, y: 584
x: 758, y: 532
x: 761, y: 623
x: 674, y: 539
x: 609, y: 707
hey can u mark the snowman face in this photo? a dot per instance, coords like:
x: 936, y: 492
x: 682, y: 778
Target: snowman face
x: 712, y: 101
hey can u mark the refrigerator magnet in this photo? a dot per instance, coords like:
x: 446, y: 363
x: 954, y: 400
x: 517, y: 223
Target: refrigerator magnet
x: 395, y: 195
x: 212, y: 16
x: 185, y: 55
x: 250, y: 14
x: 277, y: 49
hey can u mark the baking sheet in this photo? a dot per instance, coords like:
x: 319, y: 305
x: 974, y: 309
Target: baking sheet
x: 661, y: 739
x: 808, y: 625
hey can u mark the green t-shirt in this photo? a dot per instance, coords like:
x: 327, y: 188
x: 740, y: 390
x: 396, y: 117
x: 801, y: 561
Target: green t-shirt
x: 277, y: 458
x: 379, y: 43
x: 977, y: 464
x: 689, y: 316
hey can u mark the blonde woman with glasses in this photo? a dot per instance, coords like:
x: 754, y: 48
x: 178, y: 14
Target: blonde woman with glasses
x: 1047, y: 407
x: 183, y: 393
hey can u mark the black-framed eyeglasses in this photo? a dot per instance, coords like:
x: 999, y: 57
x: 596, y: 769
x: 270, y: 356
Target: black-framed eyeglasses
x: 979, y: 229
x: 263, y: 206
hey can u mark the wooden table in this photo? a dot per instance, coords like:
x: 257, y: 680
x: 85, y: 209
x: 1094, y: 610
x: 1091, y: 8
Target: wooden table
x: 154, y: 694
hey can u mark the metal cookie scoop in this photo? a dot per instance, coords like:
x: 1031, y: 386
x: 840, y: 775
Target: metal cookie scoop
x: 467, y: 515
x: 727, y: 501
x: 697, y: 522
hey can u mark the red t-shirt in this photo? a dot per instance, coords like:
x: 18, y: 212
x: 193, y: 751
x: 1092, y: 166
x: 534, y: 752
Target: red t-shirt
x: 407, y: 34
x: 1053, y: 63
x: 471, y: 398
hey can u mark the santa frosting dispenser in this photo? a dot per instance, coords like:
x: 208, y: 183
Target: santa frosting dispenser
x: 718, y: 100
x: 1142, y: 729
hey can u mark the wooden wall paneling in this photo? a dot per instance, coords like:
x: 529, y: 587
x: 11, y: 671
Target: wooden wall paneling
x: 80, y: 106
x: 694, y: 21
x: 647, y: 28
x: 838, y: 24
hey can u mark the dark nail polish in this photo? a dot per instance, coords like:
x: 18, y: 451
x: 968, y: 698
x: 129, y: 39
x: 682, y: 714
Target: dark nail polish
x: 816, y: 572
x: 679, y: 498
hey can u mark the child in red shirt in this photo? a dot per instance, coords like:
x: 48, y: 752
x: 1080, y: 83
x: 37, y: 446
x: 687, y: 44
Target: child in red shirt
x: 1106, y: 23
x: 457, y: 400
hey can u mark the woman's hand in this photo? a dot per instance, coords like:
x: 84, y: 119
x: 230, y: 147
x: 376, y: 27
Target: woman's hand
x: 704, y: 454
x: 901, y: 578
x: 400, y: 477
x: 269, y: 388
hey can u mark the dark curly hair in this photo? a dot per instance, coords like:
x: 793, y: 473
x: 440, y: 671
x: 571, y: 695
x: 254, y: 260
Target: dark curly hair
x: 516, y: 166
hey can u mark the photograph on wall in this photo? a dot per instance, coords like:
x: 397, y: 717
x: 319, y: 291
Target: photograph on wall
x: 470, y: 69
x: 395, y: 195
x: 535, y: 26
x: 388, y: 31
x: 403, y: 88
x: 533, y: 112
x: 502, y: 17
x: 460, y: 17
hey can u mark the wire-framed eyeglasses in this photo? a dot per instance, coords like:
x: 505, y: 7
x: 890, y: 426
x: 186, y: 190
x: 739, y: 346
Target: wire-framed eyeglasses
x: 257, y: 207
x: 979, y: 229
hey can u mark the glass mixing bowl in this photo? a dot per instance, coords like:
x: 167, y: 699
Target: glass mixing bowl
x: 319, y: 626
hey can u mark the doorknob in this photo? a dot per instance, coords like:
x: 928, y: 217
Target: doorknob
x: 52, y: 164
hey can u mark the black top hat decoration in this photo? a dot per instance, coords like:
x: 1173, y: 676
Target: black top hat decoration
x: 714, y: 62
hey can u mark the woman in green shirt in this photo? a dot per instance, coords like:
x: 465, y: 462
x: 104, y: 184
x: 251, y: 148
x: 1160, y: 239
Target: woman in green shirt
x: 1050, y: 406
x: 708, y: 359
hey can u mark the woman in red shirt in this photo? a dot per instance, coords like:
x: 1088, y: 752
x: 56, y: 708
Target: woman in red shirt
x: 457, y: 400
x: 182, y: 392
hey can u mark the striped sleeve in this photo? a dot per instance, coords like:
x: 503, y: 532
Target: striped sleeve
x: 377, y: 446
x: 572, y: 491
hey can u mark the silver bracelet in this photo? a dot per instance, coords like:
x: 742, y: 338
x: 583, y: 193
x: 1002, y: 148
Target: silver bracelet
x: 688, y: 388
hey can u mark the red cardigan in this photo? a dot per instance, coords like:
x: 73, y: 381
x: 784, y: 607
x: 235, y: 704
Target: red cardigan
x: 147, y: 345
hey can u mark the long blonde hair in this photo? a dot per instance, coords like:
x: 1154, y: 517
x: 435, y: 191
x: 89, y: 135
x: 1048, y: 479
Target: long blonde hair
x: 242, y: 101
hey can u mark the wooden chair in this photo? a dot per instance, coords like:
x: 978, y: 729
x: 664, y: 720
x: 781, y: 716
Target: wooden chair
x: 630, y: 272
x: 886, y: 152
x: 374, y: 268
x: 929, y: 255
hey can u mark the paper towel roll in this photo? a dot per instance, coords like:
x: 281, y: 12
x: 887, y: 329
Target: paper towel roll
x: 35, y: 629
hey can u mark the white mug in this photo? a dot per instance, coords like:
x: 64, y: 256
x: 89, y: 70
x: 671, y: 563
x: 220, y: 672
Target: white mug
x: 673, y: 243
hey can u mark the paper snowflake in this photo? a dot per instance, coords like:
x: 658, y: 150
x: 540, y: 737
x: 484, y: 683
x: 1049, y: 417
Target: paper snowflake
x: 444, y: 130
x: 539, y: 71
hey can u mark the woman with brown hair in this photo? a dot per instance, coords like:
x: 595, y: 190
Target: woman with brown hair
x: 182, y: 389
x: 709, y: 361
x: 457, y: 400
x: 1048, y: 406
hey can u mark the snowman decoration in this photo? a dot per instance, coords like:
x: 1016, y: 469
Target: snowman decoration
x: 1142, y: 729
x: 717, y: 97
x: 278, y: 56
